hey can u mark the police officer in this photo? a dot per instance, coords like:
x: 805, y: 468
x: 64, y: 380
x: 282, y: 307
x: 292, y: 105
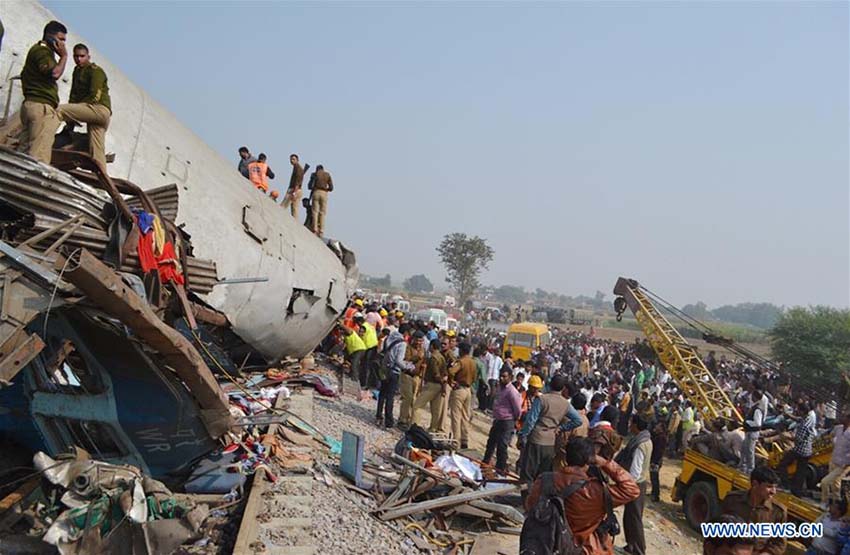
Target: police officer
x: 89, y: 102
x: 462, y: 375
x: 410, y: 379
x: 434, y: 387
x: 756, y: 505
x: 41, y: 93
x: 321, y: 184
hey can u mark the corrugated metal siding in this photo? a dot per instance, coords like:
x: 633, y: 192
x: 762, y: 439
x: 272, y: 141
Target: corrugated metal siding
x: 54, y: 197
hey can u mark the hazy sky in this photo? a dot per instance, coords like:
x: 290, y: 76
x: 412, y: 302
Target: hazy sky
x: 700, y: 148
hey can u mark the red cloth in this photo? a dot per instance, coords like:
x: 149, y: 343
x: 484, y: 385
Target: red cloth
x: 145, y: 249
x: 167, y: 263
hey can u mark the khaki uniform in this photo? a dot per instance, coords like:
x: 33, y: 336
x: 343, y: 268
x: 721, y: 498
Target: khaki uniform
x: 293, y: 194
x: 432, y: 391
x: 462, y: 374
x: 445, y: 417
x: 41, y: 97
x: 321, y: 187
x: 409, y: 384
x: 738, y: 503
x: 89, y: 103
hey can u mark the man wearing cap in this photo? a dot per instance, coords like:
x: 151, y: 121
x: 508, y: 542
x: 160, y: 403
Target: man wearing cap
x: 549, y: 413
x: 410, y: 379
x: 461, y: 375
x: 354, y: 349
x: 434, y: 387
x: 370, y: 341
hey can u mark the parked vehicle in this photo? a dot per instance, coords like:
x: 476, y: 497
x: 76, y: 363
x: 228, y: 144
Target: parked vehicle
x: 436, y: 315
x: 525, y: 337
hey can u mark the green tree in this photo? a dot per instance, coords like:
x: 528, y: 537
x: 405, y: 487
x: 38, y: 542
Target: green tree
x: 418, y: 284
x: 698, y: 311
x: 760, y: 315
x: 511, y: 294
x: 813, y: 343
x: 464, y: 258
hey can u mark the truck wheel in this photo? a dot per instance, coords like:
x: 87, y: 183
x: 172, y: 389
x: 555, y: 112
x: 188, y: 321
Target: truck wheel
x: 811, y: 479
x: 701, y: 503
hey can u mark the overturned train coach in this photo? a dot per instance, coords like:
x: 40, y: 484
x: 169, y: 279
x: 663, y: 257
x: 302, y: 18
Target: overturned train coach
x: 126, y: 294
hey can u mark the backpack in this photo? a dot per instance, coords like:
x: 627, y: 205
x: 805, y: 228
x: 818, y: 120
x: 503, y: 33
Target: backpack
x: 383, y: 371
x: 546, y: 530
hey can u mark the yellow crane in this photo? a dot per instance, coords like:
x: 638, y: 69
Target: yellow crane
x: 704, y: 482
x: 678, y: 356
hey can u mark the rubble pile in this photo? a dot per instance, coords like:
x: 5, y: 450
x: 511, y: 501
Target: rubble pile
x: 87, y: 507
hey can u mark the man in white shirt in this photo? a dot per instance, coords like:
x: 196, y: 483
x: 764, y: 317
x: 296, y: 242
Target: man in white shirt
x: 752, y: 426
x: 636, y: 456
x: 494, y: 367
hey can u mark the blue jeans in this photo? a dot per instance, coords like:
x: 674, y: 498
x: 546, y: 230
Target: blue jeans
x: 386, y: 398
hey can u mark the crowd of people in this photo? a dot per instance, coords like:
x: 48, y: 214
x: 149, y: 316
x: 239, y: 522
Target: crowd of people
x: 589, y: 409
x: 258, y: 171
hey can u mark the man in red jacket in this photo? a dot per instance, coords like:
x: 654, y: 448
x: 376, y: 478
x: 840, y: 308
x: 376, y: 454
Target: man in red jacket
x: 585, y: 509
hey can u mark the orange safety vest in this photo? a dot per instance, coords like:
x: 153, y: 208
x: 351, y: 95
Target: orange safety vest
x: 257, y: 175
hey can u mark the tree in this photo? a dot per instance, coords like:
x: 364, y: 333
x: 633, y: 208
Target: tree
x: 760, y: 315
x: 418, y: 284
x: 813, y: 344
x: 381, y: 283
x: 698, y: 311
x: 511, y: 294
x: 464, y: 258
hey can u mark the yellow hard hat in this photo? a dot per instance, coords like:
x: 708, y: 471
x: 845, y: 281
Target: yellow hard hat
x: 358, y: 302
x: 535, y: 382
x: 399, y: 314
x: 382, y: 312
x: 450, y: 333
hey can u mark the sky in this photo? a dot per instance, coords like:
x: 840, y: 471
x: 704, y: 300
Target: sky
x: 701, y: 148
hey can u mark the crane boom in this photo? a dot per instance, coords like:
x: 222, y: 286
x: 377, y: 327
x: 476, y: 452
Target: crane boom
x: 679, y: 357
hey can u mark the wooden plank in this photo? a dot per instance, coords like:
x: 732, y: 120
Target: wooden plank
x: 10, y: 511
x: 20, y: 357
x: 506, y: 511
x: 448, y: 501
x: 19, y: 494
x: 468, y: 510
